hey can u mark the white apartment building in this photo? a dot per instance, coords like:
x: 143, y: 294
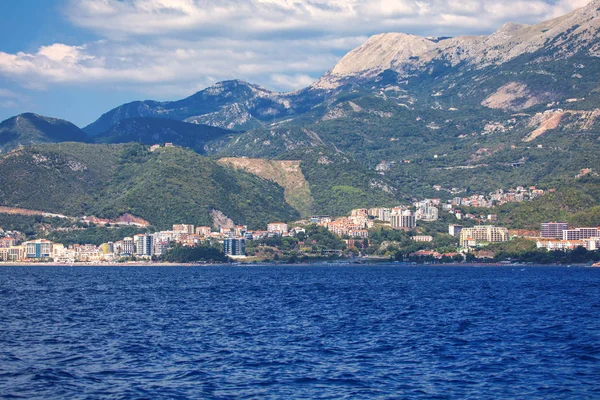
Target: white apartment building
x: 483, y: 234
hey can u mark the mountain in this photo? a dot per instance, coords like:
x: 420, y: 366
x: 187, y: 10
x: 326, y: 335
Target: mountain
x: 234, y: 105
x: 163, y: 187
x: 322, y: 181
x: 576, y: 202
x: 398, y: 118
x: 410, y: 55
x: 518, y: 68
x: 200, y: 138
x: 286, y: 173
x: 518, y: 107
x: 27, y: 129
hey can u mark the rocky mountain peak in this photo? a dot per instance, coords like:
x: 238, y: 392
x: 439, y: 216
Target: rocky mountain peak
x: 381, y: 52
x: 404, y: 53
x: 30, y: 128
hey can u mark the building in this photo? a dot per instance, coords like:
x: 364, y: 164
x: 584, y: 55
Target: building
x: 454, y: 230
x: 592, y: 244
x: 580, y: 233
x: 384, y: 214
x: 559, y: 245
x: 358, y: 233
x: 38, y: 249
x: 128, y: 247
x: 144, y: 245
x: 423, y: 238
x: 297, y: 230
x: 3, y: 254
x: 403, y: 219
x: 360, y: 212
x: 234, y: 247
x: 554, y: 230
x: 240, y: 230
x: 426, y: 211
x: 278, y: 228
x: 160, y: 248
x: 5, y: 243
x: 183, y: 228
x: 258, y: 235
x: 203, y: 231
x: 14, y: 253
x: 320, y: 219
x: 483, y: 234
x: 58, y: 251
x: 584, y: 172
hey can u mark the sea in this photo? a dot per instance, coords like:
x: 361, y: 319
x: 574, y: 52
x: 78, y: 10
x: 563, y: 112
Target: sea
x: 300, y: 332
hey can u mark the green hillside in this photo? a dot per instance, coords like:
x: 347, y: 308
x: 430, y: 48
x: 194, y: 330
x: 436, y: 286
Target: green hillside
x: 149, y: 131
x: 474, y: 149
x: 339, y: 183
x: 576, y: 202
x: 168, y: 186
x: 27, y: 129
x: 65, y: 178
x: 177, y: 185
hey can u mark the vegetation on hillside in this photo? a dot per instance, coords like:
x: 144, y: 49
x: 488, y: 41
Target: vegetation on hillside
x: 286, y: 173
x: 31, y: 226
x: 27, y: 129
x: 93, y: 235
x: 165, y: 187
x: 64, y: 178
x: 176, y: 185
x: 576, y: 202
x: 339, y: 183
x: 150, y: 131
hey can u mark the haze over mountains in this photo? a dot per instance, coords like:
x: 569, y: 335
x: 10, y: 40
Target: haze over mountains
x: 455, y: 112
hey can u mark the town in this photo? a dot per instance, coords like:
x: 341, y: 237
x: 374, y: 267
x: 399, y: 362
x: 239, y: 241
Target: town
x: 435, y: 230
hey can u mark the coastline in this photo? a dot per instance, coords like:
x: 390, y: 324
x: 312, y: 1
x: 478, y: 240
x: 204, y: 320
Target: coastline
x: 268, y: 264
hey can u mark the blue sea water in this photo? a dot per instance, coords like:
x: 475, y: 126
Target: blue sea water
x: 387, y: 332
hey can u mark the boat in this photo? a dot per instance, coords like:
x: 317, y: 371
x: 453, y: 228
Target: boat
x: 596, y: 264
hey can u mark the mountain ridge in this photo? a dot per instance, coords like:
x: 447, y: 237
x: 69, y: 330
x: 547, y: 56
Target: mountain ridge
x: 200, y: 138
x: 404, y: 53
x: 251, y: 106
x: 413, y: 120
x: 164, y: 187
x: 29, y: 128
x: 242, y: 106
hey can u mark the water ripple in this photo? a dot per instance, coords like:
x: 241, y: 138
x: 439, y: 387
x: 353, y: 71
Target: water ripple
x: 299, y: 332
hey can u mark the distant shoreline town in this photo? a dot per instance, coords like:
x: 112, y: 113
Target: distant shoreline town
x: 349, y: 237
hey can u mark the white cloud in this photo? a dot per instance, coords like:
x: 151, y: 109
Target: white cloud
x: 61, y: 52
x: 171, y: 47
x: 172, y: 65
x: 253, y: 17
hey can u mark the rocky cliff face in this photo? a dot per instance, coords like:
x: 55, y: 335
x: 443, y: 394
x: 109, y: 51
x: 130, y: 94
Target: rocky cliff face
x: 402, y: 53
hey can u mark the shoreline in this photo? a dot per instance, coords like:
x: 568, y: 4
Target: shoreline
x: 267, y: 264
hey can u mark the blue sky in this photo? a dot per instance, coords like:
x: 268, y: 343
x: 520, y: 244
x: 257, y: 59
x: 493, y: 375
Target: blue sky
x: 76, y: 59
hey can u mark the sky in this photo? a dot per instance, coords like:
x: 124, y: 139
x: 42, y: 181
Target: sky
x: 77, y: 59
